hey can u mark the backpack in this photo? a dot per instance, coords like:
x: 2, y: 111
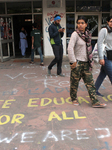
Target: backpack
x: 95, y: 51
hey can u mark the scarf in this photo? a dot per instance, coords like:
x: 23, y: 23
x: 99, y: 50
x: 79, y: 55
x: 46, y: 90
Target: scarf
x: 87, y: 38
x: 108, y: 29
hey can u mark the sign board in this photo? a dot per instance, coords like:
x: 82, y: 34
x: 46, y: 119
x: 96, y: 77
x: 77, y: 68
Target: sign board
x: 53, y: 3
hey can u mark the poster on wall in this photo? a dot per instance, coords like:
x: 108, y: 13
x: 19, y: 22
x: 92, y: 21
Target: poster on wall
x: 53, y: 3
x: 6, y: 29
x: 3, y: 28
x: 9, y: 28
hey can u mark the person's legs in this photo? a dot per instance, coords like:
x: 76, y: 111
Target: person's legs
x: 105, y: 70
x: 74, y: 81
x: 59, y: 63
x: 89, y: 82
x: 40, y: 53
x: 56, y: 54
x: 100, y: 78
x: 108, y: 68
x: 82, y: 70
x: 32, y: 54
x: 23, y: 48
x: 23, y: 51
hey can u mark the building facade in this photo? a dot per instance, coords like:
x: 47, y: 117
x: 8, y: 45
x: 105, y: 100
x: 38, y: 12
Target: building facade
x: 17, y: 13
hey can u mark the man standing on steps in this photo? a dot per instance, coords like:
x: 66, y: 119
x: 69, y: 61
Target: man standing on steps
x: 36, y: 44
x: 56, y: 32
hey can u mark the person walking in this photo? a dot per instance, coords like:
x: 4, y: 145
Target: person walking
x: 105, y: 55
x: 36, y: 44
x: 56, y: 32
x: 23, y: 41
x: 80, y: 57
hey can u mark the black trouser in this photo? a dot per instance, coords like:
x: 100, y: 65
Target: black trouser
x: 58, y: 53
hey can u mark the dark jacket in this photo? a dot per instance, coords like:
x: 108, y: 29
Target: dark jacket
x: 54, y: 34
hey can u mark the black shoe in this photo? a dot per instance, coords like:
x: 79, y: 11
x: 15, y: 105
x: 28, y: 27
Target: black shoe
x: 99, y: 94
x: 24, y: 56
x: 49, y: 72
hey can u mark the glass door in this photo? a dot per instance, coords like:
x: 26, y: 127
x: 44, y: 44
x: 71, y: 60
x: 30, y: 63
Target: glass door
x: 6, y: 39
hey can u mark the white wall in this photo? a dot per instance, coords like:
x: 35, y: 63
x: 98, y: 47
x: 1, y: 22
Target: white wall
x: 48, y: 14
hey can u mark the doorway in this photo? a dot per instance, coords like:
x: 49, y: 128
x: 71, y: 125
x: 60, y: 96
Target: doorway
x: 18, y: 22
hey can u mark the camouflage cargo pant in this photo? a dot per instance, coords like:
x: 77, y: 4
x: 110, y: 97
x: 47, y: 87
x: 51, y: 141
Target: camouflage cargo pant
x: 82, y: 71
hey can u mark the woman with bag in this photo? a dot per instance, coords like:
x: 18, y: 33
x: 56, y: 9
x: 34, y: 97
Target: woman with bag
x: 80, y: 57
x: 105, y: 55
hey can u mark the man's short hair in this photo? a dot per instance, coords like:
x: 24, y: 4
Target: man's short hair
x: 35, y: 25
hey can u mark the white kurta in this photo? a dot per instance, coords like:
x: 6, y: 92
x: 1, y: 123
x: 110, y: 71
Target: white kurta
x: 23, y: 43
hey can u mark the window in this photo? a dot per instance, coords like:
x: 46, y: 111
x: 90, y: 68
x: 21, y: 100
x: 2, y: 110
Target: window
x: 70, y: 24
x: 88, y: 6
x: 70, y: 6
x: 37, y: 7
x: 106, y: 5
x: 5, y: 49
x: 19, y: 7
x: 2, y: 8
x: 38, y: 21
x: 104, y: 19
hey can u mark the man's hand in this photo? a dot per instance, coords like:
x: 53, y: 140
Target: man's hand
x: 73, y: 65
x: 32, y: 42
x: 102, y: 62
x: 60, y: 30
x: 32, y: 47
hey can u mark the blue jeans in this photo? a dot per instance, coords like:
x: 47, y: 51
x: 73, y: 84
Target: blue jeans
x: 105, y: 70
x: 39, y: 51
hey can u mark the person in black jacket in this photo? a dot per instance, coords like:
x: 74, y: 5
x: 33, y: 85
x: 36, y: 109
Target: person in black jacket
x: 56, y: 32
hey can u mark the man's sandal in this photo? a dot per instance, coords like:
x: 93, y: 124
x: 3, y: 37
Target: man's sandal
x: 99, y: 105
x: 31, y: 62
x: 75, y: 102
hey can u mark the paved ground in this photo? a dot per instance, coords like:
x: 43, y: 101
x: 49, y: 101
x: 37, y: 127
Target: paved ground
x: 36, y: 112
